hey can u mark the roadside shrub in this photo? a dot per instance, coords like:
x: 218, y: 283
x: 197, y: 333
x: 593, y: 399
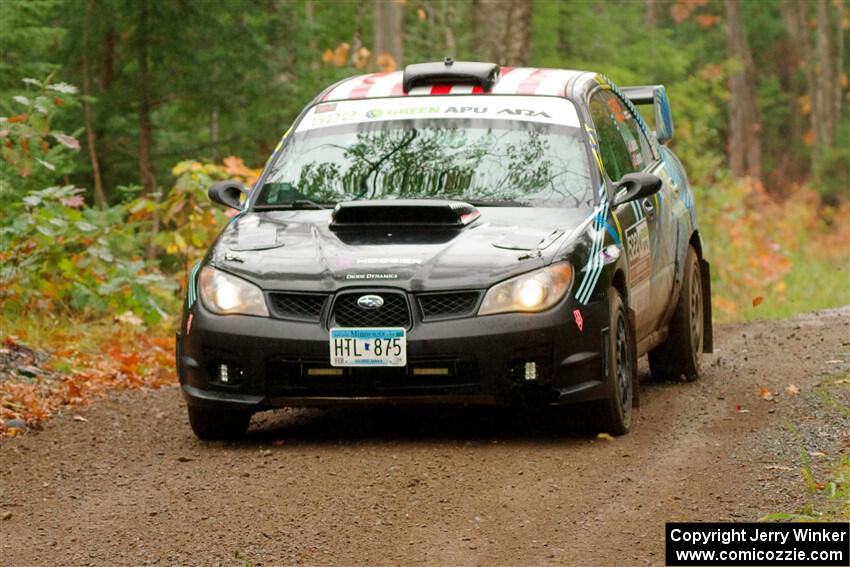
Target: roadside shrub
x: 59, y: 256
x: 788, y: 254
x: 34, y: 155
x: 189, y: 220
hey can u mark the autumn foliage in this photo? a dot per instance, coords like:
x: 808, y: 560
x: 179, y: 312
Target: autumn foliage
x: 129, y: 359
x: 761, y: 246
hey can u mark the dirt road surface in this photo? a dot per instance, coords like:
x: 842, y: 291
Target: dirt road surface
x: 131, y: 485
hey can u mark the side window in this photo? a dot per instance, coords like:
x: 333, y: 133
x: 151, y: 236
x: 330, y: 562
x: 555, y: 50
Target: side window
x: 637, y: 134
x: 607, y: 114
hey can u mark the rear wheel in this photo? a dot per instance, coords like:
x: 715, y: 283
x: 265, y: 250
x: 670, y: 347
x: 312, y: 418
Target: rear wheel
x: 679, y: 357
x: 614, y: 414
x: 211, y: 424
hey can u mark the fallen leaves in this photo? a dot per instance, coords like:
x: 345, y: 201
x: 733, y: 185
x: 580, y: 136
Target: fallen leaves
x: 605, y: 436
x: 792, y: 390
x: 132, y: 360
x: 758, y: 300
x: 765, y: 394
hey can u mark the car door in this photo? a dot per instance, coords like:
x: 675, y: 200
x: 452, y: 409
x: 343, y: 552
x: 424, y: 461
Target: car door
x: 665, y: 207
x: 623, y: 153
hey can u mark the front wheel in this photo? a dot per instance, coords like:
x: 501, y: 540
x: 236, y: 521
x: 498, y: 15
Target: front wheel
x: 679, y: 357
x: 615, y: 412
x: 212, y: 424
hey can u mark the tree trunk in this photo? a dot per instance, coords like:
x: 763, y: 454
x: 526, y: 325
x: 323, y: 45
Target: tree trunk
x: 214, y: 127
x: 356, y: 36
x: 147, y: 177
x: 310, y: 24
x: 146, y: 170
x: 503, y: 30
x: 793, y: 78
x: 839, y: 56
x: 490, y: 18
x: 107, y: 70
x: 566, y: 38
x: 448, y: 27
x: 99, y: 195
x: 388, y: 31
x: 744, y: 147
x: 823, y: 116
x: 518, y: 33
x: 649, y: 15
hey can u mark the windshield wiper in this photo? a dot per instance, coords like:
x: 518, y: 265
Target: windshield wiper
x: 297, y: 204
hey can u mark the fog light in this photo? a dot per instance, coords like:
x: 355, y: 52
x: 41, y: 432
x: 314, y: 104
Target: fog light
x: 222, y: 374
x: 530, y: 371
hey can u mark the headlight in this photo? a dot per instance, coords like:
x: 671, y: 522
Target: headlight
x: 226, y: 295
x: 531, y: 292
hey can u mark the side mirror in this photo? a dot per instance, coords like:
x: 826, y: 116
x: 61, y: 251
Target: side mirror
x: 634, y: 186
x: 227, y: 193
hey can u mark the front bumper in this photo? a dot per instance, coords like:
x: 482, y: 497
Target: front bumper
x: 271, y: 362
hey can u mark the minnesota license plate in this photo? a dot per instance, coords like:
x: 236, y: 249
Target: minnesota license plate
x: 386, y: 346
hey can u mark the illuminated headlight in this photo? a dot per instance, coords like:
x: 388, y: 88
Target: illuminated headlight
x: 227, y: 295
x: 531, y: 292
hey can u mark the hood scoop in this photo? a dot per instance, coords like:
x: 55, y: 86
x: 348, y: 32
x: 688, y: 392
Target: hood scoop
x: 401, y: 214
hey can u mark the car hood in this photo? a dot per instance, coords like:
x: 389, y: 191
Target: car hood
x: 299, y: 251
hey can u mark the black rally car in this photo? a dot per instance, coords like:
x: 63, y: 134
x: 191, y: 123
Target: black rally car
x: 457, y: 232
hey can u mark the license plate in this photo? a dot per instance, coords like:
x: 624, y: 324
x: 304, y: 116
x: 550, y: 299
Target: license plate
x: 368, y: 347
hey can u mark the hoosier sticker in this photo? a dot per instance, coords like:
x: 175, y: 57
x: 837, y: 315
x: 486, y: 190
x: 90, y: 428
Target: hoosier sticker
x: 637, y: 247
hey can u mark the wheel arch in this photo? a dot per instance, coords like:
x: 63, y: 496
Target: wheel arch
x: 696, y: 242
x: 618, y: 282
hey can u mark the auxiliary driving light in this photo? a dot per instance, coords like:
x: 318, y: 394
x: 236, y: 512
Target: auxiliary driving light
x: 227, y: 374
x: 430, y: 371
x: 324, y: 372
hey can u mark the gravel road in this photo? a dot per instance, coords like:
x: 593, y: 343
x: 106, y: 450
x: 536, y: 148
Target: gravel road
x: 124, y: 482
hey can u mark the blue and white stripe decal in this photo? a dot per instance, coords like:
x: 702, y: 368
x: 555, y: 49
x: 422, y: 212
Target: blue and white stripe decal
x: 594, y: 266
x: 191, y: 285
x: 635, y: 113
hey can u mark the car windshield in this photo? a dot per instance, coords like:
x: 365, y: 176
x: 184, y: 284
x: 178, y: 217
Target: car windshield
x: 510, y: 153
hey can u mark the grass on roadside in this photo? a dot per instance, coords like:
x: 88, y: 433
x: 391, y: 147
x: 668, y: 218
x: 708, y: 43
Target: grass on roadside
x: 812, y: 283
x: 829, y: 499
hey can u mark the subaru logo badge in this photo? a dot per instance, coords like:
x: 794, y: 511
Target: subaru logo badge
x: 370, y: 301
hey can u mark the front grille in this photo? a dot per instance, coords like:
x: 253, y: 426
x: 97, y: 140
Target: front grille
x: 445, y: 305
x: 393, y: 313
x: 299, y: 306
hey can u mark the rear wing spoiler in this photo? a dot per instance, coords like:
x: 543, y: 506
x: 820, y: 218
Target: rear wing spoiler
x: 655, y: 95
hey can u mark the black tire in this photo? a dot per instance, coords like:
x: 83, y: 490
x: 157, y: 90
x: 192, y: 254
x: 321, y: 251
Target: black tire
x: 679, y: 357
x: 614, y: 414
x: 212, y: 424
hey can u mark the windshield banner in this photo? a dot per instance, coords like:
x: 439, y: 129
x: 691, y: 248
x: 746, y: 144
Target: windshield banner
x: 547, y: 110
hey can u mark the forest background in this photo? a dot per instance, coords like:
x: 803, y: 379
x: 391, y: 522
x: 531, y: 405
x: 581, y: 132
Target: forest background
x: 116, y: 116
